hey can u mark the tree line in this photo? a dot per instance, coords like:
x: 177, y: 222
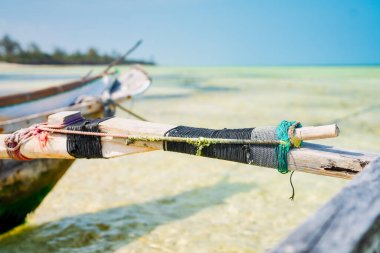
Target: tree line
x: 11, y: 51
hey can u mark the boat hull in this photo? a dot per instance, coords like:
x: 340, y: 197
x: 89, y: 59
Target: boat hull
x: 23, y: 186
x: 60, y: 100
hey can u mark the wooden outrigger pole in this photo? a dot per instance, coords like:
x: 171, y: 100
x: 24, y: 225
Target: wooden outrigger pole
x: 124, y: 136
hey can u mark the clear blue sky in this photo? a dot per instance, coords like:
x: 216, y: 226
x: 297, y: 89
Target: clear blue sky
x: 201, y: 32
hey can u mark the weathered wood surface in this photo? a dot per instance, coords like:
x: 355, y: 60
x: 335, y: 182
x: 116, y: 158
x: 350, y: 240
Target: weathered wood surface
x: 56, y: 147
x: 328, y: 160
x: 350, y: 222
x: 23, y: 186
x: 312, y: 158
x: 18, y: 178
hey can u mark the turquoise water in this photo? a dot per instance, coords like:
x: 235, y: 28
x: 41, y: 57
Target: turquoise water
x: 165, y: 202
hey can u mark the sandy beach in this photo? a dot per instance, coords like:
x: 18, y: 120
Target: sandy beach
x: 167, y: 202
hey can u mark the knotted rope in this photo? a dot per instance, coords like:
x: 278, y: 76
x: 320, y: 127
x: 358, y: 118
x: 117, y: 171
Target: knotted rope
x: 285, y: 132
x: 255, y: 150
x: 267, y: 147
x: 14, y: 141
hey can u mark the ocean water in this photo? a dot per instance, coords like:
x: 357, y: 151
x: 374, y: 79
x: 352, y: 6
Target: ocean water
x: 167, y: 202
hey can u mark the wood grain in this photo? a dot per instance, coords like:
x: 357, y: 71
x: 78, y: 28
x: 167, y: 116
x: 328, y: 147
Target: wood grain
x: 328, y: 160
x: 350, y: 222
x: 311, y: 158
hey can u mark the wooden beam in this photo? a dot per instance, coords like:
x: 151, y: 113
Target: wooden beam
x: 328, y: 160
x: 312, y: 158
x: 350, y: 222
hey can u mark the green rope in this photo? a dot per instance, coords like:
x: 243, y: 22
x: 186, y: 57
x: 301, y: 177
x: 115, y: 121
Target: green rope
x: 282, y: 150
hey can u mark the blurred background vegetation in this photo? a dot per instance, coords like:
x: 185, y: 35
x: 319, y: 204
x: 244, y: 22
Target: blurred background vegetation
x: 11, y: 51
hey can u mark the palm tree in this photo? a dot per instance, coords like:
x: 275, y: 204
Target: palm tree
x: 9, y: 47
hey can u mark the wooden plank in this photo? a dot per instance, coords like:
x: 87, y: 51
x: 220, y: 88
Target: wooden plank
x: 328, y: 160
x: 350, y: 222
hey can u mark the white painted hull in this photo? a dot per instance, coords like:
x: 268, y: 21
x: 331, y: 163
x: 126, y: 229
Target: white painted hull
x: 49, y: 103
x: 28, y: 178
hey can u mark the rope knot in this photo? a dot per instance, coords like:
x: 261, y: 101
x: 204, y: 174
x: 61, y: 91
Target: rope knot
x: 285, y: 132
x: 15, y: 140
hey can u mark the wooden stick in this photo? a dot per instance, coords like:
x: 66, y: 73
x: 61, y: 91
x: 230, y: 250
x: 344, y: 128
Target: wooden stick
x: 129, y: 111
x: 312, y: 158
x: 318, y: 132
x: 121, y: 58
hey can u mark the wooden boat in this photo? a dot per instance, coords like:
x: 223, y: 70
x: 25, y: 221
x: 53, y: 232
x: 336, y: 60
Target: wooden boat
x: 324, y: 232
x: 35, y: 108
x: 23, y: 185
x: 23, y: 104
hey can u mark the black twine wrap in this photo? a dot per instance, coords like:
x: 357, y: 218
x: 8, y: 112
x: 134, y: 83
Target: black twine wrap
x: 230, y: 152
x: 264, y: 155
x: 260, y: 155
x: 85, y: 146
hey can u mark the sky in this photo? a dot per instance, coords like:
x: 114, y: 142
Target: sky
x: 205, y: 32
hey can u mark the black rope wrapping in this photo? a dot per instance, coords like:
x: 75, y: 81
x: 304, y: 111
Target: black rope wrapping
x: 264, y: 155
x: 260, y: 155
x: 84, y: 146
x: 230, y: 152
